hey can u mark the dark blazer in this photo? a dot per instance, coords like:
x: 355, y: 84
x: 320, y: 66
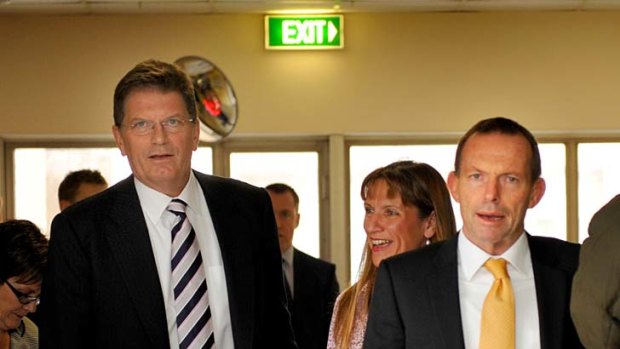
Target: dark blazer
x: 102, y: 289
x: 415, y: 303
x: 595, y: 303
x: 316, y: 289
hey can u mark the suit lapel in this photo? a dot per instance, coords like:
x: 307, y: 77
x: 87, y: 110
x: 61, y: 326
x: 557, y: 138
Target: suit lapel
x: 444, y: 295
x: 236, y: 256
x: 550, y: 296
x: 131, y: 247
x: 299, y: 272
x: 301, y: 293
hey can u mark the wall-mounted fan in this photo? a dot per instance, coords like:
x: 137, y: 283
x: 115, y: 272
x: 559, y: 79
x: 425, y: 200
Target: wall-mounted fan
x: 217, y: 103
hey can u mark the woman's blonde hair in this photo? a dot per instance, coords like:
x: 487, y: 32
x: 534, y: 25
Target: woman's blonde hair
x: 419, y: 185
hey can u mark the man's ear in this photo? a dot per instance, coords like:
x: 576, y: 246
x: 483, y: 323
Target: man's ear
x: 538, y: 190
x: 118, y: 139
x: 453, y: 186
x: 64, y: 204
x: 297, y: 220
x: 196, y: 133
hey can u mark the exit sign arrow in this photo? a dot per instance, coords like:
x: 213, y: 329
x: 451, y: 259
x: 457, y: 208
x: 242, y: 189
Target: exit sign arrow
x: 332, y: 32
x: 304, y: 32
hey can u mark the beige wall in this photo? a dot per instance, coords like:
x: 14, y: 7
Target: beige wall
x: 410, y: 72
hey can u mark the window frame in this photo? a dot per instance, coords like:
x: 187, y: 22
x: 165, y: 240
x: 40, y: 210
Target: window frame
x: 334, y: 171
x: 223, y: 150
x: 9, y: 160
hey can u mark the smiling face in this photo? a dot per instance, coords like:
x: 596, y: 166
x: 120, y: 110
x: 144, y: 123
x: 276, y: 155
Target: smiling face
x: 494, y: 189
x: 11, y: 310
x: 391, y: 227
x: 161, y: 160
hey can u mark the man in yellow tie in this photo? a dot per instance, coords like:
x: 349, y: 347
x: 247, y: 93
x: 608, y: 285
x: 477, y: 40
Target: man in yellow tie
x: 493, y: 285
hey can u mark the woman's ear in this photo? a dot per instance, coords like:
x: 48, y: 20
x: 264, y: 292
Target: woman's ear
x: 430, y: 226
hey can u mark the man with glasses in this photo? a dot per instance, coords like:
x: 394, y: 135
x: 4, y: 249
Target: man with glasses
x: 23, y: 256
x: 169, y: 257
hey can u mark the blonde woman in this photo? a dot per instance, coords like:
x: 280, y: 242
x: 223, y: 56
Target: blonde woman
x: 407, y: 206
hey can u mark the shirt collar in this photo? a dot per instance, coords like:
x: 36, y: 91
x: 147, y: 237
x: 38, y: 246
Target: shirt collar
x: 288, y: 255
x: 20, y: 330
x: 472, y: 258
x: 154, y: 203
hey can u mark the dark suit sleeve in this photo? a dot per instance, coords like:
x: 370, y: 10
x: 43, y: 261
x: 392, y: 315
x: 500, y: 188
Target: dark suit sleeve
x: 277, y: 322
x: 66, y: 292
x: 595, y: 301
x: 385, y: 328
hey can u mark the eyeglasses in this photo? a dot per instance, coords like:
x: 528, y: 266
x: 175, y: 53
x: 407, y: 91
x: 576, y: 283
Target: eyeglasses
x: 145, y: 127
x: 22, y: 297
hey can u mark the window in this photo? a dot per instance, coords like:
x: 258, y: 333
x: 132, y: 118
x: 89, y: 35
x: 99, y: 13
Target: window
x: 300, y: 170
x: 548, y: 218
x: 579, y: 181
x: 598, y: 180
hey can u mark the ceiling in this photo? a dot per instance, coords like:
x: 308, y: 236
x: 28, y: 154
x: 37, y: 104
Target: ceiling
x: 267, y: 6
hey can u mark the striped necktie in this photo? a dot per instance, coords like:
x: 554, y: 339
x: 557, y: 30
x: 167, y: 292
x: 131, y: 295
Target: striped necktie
x: 191, y: 301
x: 497, y: 329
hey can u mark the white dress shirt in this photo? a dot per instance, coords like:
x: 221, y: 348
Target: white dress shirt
x: 475, y: 282
x: 159, y: 222
x: 287, y: 269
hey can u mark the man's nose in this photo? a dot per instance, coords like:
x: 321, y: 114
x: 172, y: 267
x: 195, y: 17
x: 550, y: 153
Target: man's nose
x: 491, y: 192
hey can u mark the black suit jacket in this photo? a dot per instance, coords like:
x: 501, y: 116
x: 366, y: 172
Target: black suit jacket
x: 415, y: 303
x: 102, y: 289
x: 316, y: 289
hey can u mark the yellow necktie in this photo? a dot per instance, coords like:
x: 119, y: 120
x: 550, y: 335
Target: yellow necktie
x: 497, y: 330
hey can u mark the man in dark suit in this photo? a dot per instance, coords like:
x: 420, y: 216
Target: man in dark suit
x: 595, y: 304
x: 311, y: 282
x: 442, y: 296
x: 117, y: 276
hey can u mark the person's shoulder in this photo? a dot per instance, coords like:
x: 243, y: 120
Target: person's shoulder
x: 559, y: 253
x: 315, y: 262
x: 30, y: 326
x: 424, y: 258
x: 606, y: 220
x: 120, y: 192
x: 550, y: 244
x: 225, y: 185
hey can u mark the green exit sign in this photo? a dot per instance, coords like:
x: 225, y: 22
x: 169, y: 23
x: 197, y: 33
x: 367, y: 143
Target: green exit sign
x: 304, y: 32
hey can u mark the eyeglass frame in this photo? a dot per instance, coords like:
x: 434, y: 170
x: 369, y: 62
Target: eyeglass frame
x: 23, y: 298
x: 165, y: 124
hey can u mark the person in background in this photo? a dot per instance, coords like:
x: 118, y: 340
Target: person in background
x: 407, y: 206
x: 78, y: 185
x: 311, y: 282
x: 168, y: 257
x: 494, y: 285
x: 595, y: 302
x: 23, y: 256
